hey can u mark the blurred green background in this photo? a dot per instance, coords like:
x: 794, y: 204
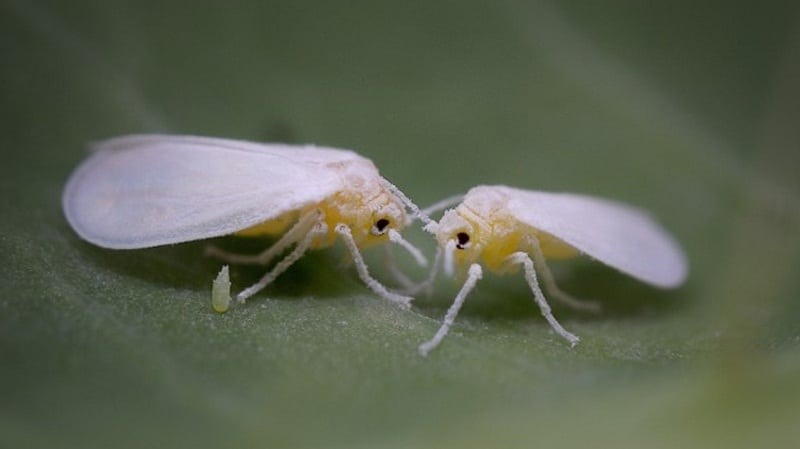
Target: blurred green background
x: 689, y: 109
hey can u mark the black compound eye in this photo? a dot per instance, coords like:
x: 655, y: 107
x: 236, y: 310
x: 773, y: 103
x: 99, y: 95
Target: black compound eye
x: 463, y: 239
x: 381, y: 224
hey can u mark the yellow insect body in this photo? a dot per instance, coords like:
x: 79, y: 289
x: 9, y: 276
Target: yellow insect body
x: 494, y: 234
x: 361, y: 212
x: 276, y: 226
x: 360, y: 209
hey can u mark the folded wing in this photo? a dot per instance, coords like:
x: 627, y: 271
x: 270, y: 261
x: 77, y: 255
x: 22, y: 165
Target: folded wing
x: 616, y: 234
x: 148, y: 190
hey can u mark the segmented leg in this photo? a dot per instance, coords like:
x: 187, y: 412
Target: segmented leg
x: 285, y: 263
x: 550, y: 282
x: 300, y: 229
x: 397, y: 274
x: 361, y: 267
x: 475, y: 273
x: 409, y: 287
x: 530, y: 276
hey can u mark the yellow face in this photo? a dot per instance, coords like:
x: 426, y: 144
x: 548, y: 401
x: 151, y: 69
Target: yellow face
x: 460, y: 238
x: 369, y: 220
x: 387, y: 215
x: 471, y: 238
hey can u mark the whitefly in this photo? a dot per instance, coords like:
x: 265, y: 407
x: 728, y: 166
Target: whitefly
x: 142, y: 191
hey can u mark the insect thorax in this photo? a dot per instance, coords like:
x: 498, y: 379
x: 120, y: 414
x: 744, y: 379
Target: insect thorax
x: 359, y: 204
x: 495, y: 236
x: 348, y: 207
x: 360, y: 213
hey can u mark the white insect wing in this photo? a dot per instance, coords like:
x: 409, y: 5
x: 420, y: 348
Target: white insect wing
x: 616, y: 234
x: 149, y: 190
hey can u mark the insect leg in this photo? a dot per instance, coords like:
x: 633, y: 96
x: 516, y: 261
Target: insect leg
x: 285, y: 263
x: 533, y: 283
x: 427, y: 284
x: 363, y: 272
x: 301, y: 228
x: 475, y: 273
x: 399, y: 276
x: 550, y: 282
x: 410, y: 287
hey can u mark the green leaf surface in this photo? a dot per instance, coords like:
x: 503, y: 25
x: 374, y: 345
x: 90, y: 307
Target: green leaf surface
x: 687, y: 109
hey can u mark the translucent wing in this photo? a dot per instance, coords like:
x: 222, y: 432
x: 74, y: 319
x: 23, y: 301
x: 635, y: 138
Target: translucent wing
x: 148, y: 190
x: 618, y: 235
